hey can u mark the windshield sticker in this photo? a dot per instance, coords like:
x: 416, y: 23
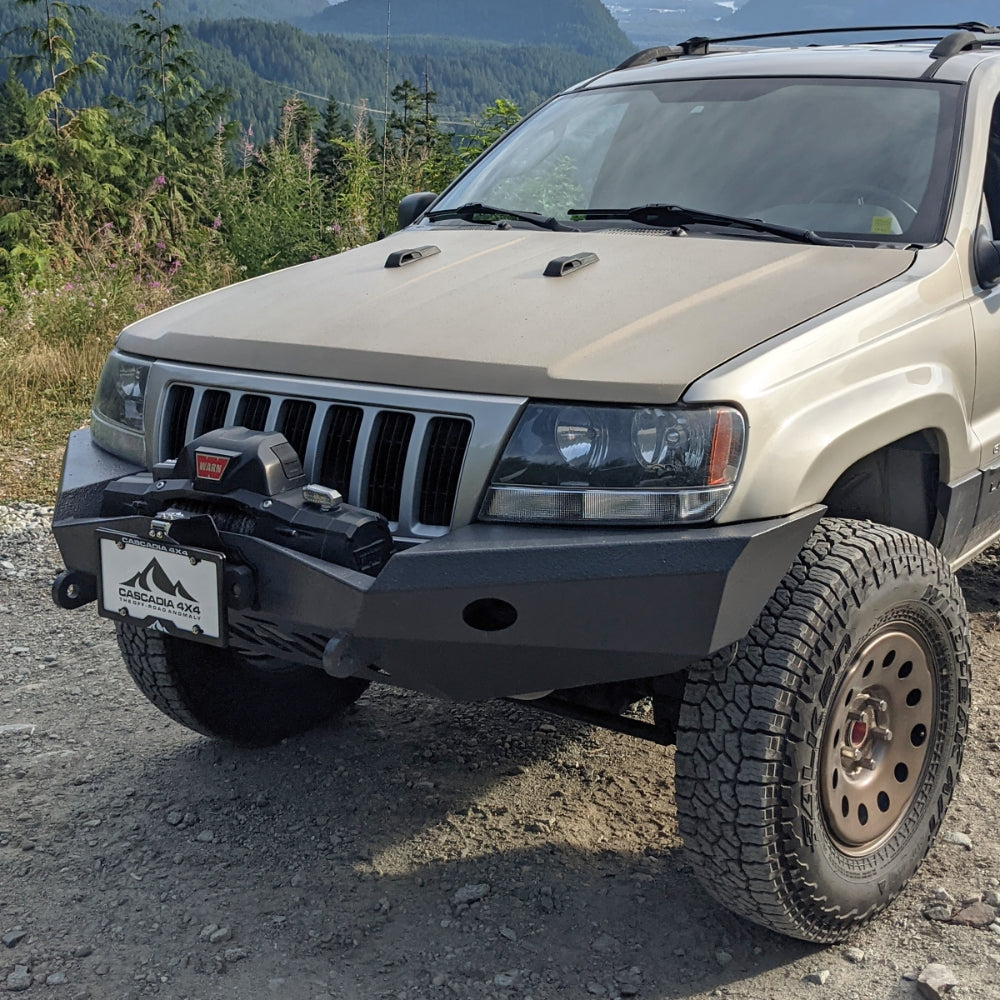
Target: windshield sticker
x: 882, y: 225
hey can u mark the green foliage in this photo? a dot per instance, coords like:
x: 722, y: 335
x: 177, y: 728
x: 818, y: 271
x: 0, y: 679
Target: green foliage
x: 273, y: 212
x: 113, y: 208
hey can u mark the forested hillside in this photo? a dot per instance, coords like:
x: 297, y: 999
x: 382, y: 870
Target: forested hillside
x: 261, y: 63
x: 194, y: 10
x: 585, y: 26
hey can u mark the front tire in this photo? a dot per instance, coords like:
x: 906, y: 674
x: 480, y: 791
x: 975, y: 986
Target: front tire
x: 814, y: 767
x: 219, y: 693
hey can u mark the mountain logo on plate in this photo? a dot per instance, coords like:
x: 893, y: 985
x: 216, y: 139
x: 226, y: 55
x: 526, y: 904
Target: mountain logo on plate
x: 153, y: 588
x: 211, y: 467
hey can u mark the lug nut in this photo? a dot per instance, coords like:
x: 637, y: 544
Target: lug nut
x: 882, y: 732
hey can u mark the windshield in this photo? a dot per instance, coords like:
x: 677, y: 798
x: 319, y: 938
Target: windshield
x: 862, y: 159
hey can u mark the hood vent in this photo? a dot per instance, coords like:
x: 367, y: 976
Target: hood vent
x: 403, y: 257
x: 562, y: 266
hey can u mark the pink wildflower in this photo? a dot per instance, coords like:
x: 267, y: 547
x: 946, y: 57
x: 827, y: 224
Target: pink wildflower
x: 217, y: 222
x: 159, y: 180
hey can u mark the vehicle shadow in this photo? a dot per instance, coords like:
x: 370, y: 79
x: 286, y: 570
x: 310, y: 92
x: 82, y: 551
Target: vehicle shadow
x: 421, y: 844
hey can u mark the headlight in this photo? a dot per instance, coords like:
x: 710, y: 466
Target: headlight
x: 118, y: 416
x: 612, y: 465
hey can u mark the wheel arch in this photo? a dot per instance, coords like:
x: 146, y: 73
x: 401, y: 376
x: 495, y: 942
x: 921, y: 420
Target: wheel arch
x: 897, y: 485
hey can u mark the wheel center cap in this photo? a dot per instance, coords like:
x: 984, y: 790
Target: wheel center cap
x: 858, y: 734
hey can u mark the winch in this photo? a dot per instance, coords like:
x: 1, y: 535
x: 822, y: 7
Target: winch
x: 251, y: 483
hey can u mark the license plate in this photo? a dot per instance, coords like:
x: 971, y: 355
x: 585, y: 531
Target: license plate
x: 163, y: 587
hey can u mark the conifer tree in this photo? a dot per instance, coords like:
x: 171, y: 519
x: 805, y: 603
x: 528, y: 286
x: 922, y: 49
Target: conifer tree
x: 51, y: 58
x: 335, y: 126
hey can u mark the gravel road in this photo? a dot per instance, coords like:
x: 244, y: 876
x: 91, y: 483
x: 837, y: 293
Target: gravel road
x: 420, y: 849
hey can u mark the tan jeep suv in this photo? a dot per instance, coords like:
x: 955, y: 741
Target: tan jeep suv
x: 675, y: 413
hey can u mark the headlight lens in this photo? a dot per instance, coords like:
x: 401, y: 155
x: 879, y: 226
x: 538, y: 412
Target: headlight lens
x: 610, y: 465
x: 118, y: 423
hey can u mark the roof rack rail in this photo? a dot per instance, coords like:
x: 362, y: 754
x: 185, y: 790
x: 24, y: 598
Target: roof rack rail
x: 966, y: 32
x: 959, y: 41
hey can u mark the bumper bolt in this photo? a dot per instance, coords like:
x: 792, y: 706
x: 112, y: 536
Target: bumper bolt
x: 160, y: 485
x: 120, y: 545
x: 123, y: 612
x: 197, y: 630
x: 194, y: 560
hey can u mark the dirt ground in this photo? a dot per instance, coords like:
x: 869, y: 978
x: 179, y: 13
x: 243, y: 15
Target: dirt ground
x: 420, y: 849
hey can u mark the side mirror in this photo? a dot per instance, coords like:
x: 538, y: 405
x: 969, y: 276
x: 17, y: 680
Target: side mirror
x: 987, y: 260
x: 413, y: 206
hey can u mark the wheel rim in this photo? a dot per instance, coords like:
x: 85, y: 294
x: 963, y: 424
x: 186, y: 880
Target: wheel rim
x: 877, y: 739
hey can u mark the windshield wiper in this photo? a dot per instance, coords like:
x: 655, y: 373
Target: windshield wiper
x: 469, y: 213
x: 679, y: 216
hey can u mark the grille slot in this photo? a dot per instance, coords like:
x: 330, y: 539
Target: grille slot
x: 340, y: 442
x: 295, y: 422
x: 447, y: 440
x: 385, y: 478
x: 252, y: 412
x: 176, y: 418
x: 212, y: 414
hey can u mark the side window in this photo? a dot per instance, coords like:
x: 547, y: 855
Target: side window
x: 992, y: 184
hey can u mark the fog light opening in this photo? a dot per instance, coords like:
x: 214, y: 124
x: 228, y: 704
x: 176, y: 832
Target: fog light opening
x: 489, y: 615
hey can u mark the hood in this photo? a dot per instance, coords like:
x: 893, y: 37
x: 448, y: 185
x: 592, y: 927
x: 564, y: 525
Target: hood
x: 654, y: 313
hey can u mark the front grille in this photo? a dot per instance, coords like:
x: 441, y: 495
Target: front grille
x: 405, y: 466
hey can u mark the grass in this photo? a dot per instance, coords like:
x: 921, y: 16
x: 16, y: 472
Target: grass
x: 53, y: 342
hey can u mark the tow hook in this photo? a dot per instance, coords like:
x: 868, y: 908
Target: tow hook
x: 72, y: 589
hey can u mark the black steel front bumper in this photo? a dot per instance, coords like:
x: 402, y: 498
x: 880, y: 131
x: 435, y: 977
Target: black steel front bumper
x: 487, y: 610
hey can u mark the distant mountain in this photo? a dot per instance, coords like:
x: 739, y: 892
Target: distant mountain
x: 660, y: 25
x: 584, y: 26
x: 783, y: 15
